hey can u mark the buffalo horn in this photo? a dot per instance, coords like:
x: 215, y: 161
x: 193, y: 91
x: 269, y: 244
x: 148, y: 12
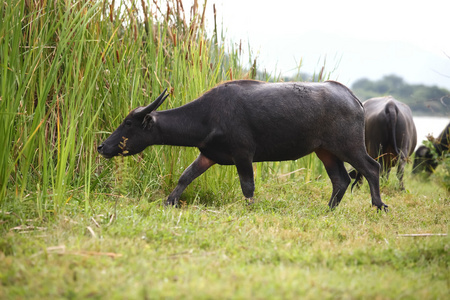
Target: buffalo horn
x: 154, y: 105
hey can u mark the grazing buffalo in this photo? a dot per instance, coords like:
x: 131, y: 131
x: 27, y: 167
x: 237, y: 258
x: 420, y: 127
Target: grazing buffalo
x: 424, y: 159
x: 390, y: 133
x: 241, y: 122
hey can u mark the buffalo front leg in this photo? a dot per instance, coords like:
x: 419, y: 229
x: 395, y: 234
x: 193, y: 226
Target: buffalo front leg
x: 197, y: 168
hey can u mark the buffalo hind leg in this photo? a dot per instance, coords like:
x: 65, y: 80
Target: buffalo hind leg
x: 245, y: 170
x: 370, y: 169
x: 400, y: 172
x: 197, y: 168
x: 338, y: 176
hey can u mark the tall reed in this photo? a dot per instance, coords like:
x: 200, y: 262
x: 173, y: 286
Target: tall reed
x: 72, y: 70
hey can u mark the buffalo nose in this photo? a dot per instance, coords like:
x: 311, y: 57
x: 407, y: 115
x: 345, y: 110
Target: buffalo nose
x: 99, y: 148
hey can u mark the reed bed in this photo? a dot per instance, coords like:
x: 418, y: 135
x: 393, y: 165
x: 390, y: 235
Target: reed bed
x: 72, y: 70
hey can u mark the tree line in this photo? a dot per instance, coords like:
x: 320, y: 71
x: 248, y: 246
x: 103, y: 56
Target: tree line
x: 422, y: 99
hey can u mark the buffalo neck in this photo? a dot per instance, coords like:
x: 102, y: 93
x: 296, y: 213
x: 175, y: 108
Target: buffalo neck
x: 183, y: 126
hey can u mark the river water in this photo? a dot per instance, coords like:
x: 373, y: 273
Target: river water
x: 429, y: 125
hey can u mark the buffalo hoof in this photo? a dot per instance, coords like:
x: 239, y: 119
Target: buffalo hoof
x: 250, y: 201
x: 382, y: 207
x: 171, y: 202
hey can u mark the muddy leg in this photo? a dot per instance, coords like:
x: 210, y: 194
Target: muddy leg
x: 197, y: 168
x: 338, y: 176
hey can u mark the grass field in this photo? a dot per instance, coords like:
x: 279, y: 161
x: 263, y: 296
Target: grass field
x: 76, y: 226
x: 287, y: 245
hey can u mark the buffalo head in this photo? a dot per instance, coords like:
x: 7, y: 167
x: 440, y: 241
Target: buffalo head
x: 135, y: 133
x: 424, y: 160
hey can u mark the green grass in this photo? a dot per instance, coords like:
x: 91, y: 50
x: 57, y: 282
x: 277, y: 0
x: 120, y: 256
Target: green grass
x: 287, y: 245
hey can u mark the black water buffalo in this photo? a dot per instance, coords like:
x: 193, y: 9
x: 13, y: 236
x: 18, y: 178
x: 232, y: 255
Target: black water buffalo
x: 390, y: 133
x: 240, y: 122
x: 424, y: 159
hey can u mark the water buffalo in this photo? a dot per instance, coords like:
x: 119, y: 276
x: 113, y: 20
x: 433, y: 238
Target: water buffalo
x: 424, y: 159
x: 390, y: 133
x: 245, y: 121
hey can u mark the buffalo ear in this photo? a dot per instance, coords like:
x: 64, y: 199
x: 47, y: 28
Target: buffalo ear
x: 143, y: 111
x: 148, y: 122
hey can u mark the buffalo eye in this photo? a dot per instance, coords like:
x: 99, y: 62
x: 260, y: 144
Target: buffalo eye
x: 128, y: 123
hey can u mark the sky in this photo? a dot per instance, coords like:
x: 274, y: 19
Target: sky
x: 358, y: 39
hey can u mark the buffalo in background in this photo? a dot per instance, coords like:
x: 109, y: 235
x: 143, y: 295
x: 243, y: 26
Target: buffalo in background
x: 425, y: 160
x: 390, y: 134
